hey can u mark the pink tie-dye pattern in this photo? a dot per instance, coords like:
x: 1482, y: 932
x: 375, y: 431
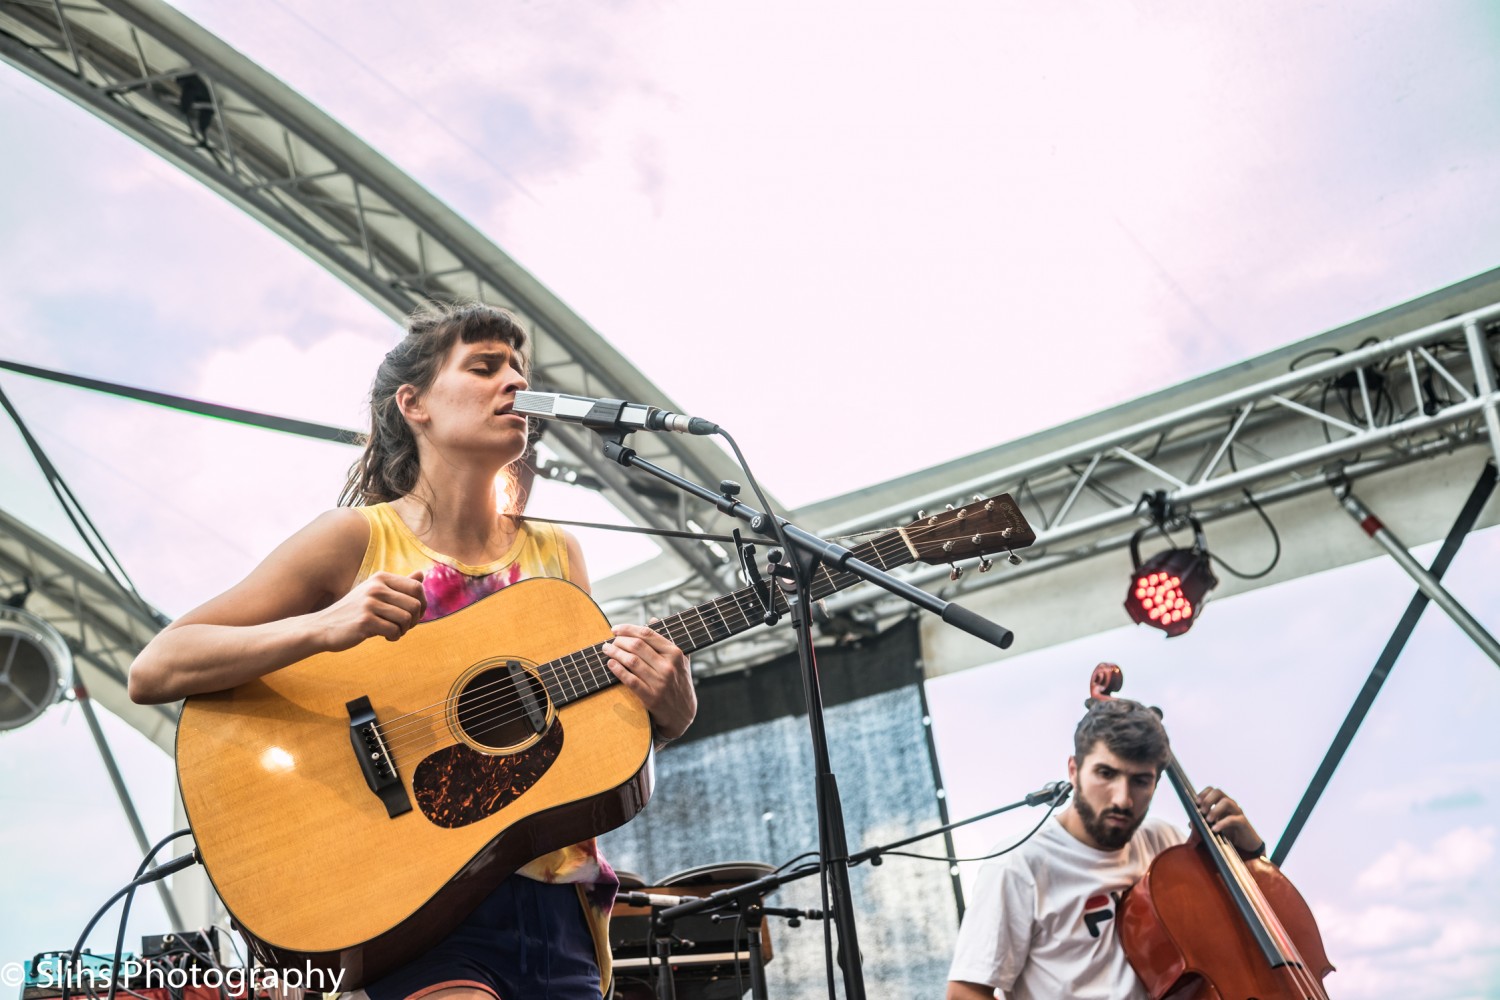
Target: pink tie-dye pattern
x: 448, y: 590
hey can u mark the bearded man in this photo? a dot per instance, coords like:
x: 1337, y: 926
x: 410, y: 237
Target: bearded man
x: 1041, y: 924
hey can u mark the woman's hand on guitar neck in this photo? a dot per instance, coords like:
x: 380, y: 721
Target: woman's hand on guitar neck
x: 652, y: 666
x: 1225, y: 817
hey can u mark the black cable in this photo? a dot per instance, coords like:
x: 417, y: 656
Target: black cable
x: 804, y: 854
x: 170, y: 868
x: 1332, y: 352
x: 1275, y: 538
x: 1006, y: 850
x: 125, y: 911
x: 129, y: 892
x: 212, y: 961
x: 114, y: 981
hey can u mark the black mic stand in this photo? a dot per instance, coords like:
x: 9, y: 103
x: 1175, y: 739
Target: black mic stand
x: 667, y: 909
x: 833, y: 859
x: 747, y: 898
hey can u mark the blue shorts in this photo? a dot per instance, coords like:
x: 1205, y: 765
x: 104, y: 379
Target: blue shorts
x: 527, y: 940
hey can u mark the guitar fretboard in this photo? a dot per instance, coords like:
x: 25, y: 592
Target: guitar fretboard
x: 580, y: 674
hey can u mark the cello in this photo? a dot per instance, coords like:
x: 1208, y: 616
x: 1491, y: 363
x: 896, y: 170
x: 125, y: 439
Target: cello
x: 1204, y: 923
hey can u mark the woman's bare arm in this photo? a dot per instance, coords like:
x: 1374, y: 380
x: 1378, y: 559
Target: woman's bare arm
x: 294, y: 604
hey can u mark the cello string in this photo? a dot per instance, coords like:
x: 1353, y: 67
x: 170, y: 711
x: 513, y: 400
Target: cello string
x: 1296, y: 968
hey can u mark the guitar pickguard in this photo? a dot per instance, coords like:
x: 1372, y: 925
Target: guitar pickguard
x: 458, y: 785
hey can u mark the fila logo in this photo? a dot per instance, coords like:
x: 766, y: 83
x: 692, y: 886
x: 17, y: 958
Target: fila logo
x: 1097, y: 909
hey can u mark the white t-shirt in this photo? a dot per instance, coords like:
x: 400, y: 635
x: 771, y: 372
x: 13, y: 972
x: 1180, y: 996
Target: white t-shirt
x: 1040, y: 924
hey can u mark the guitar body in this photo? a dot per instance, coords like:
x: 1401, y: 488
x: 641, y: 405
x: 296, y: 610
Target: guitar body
x: 321, y: 872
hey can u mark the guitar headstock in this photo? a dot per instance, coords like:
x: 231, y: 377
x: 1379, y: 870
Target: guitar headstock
x: 979, y: 528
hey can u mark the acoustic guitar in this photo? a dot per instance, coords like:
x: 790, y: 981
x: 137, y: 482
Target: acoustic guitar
x: 352, y: 808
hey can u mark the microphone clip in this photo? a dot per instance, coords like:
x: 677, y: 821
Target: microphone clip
x: 759, y: 586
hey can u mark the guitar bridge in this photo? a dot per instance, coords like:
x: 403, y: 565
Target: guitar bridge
x: 375, y: 758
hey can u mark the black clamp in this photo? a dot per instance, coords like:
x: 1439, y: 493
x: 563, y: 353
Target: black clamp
x: 762, y: 589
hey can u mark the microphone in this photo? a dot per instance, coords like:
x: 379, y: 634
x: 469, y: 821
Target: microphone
x: 608, y: 414
x: 1058, y: 790
x: 654, y: 900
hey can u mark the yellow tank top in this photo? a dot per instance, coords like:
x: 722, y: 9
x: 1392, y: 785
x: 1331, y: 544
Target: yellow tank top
x: 539, y: 550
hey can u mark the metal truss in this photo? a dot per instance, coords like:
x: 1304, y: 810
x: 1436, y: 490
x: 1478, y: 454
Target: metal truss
x: 186, y: 95
x: 103, y: 627
x: 1419, y: 395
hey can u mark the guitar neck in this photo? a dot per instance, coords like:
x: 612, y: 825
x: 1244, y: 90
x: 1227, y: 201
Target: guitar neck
x: 580, y: 674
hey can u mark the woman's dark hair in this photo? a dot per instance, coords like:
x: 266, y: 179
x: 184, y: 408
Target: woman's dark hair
x: 389, y: 467
x: 1127, y: 728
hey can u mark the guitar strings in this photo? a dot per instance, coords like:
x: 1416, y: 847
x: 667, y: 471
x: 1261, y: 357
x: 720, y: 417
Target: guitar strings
x: 488, y: 711
x: 507, y: 696
x: 504, y: 696
x: 736, y: 601
x: 562, y: 671
x: 597, y: 671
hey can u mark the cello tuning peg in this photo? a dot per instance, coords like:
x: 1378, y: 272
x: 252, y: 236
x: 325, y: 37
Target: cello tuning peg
x: 955, y: 571
x: 985, y: 564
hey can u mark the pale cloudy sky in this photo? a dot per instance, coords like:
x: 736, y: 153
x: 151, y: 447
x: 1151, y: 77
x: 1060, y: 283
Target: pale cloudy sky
x: 922, y: 231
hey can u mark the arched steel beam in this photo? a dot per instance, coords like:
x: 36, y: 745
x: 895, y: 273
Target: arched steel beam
x: 188, y: 96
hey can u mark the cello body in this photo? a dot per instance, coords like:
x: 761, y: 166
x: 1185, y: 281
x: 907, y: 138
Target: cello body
x: 1185, y: 940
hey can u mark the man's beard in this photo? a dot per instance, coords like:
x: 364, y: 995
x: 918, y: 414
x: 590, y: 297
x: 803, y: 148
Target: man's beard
x: 1110, y: 838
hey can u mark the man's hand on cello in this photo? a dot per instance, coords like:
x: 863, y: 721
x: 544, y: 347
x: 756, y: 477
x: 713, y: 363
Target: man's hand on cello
x: 1225, y: 817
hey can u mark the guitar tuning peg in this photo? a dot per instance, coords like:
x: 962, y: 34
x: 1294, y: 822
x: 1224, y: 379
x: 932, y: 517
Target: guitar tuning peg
x: 955, y: 571
x: 1014, y: 559
x: 979, y: 497
x: 920, y: 514
x: 985, y: 564
x: 948, y: 506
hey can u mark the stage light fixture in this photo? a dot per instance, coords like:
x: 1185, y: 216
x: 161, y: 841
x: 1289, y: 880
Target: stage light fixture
x: 1167, y: 590
x: 34, y: 660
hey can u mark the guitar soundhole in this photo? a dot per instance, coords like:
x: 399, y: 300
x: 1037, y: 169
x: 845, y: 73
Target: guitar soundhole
x: 502, y: 708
